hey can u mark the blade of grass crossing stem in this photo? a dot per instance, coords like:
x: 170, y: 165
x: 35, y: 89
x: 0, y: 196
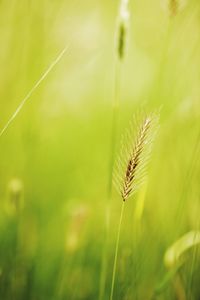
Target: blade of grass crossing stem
x: 36, y: 85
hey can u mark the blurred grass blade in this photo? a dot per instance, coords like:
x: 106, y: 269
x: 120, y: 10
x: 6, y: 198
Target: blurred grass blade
x: 23, y: 102
x: 174, y: 253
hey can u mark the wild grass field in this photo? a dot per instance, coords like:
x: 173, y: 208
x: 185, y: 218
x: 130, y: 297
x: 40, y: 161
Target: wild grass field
x: 73, y: 76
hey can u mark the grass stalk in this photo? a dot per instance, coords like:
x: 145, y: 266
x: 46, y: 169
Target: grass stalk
x: 119, y: 56
x: 116, y: 251
x: 133, y: 162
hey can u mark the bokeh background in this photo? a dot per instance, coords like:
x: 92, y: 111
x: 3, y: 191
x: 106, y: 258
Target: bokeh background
x: 54, y: 158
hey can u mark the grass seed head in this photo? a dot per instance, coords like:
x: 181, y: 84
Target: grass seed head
x: 76, y: 228
x: 173, y: 7
x: 122, y: 29
x: 15, y: 198
x: 134, y: 156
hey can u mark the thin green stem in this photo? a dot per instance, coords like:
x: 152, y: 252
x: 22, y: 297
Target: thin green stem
x: 32, y: 90
x: 116, y: 252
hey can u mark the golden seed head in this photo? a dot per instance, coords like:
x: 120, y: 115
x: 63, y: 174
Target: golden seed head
x: 133, y: 159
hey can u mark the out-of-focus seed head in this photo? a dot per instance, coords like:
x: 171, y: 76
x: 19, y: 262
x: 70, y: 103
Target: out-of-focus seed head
x: 15, y: 196
x: 76, y: 228
x: 122, y: 28
x: 173, y: 7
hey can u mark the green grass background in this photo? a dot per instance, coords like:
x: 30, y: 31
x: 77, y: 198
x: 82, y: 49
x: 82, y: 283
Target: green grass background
x: 59, y: 146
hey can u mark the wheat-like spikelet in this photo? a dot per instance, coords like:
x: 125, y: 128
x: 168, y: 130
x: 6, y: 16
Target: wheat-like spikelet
x: 132, y: 161
x: 130, y: 171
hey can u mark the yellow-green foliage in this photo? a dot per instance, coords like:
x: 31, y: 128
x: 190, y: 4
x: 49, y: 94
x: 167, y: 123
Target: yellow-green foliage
x: 55, y: 155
